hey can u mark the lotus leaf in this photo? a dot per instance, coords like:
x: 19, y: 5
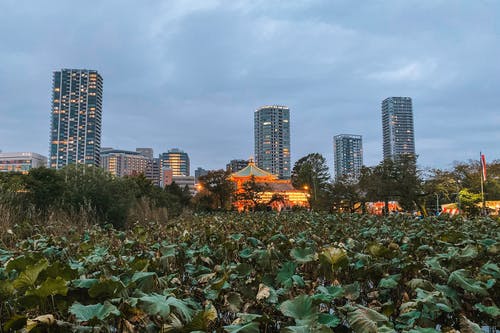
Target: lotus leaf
x: 94, y: 311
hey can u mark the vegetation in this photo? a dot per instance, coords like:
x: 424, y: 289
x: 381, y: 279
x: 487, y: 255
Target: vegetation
x: 82, y: 190
x: 294, y: 272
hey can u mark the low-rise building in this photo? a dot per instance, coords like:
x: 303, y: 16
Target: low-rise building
x: 21, y: 161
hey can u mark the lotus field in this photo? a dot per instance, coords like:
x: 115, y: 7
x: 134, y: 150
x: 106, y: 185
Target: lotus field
x: 259, y: 272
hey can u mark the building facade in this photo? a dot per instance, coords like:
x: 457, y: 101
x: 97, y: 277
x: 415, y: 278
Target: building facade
x: 153, y: 171
x: 148, y: 152
x: 348, y: 155
x: 236, y: 165
x: 397, y: 126
x: 123, y: 162
x: 199, y: 172
x: 177, y: 160
x: 21, y: 162
x: 75, y: 131
x: 272, y: 140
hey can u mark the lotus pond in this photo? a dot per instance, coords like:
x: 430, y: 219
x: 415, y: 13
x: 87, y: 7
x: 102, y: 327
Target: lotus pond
x: 260, y: 272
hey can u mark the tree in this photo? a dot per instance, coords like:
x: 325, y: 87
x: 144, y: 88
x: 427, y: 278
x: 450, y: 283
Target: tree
x: 393, y: 180
x: 469, y: 202
x: 251, y: 193
x: 45, y: 188
x: 311, y: 173
x: 219, y: 186
x: 345, y: 194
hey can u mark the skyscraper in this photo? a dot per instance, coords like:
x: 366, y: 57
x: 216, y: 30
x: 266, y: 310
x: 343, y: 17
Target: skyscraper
x: 397, y: 126
x: 272, y: 139
x: 177, y: 160
x: 75, y: 131
x: 348, y: 155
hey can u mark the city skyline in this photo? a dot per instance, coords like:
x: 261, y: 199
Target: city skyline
x: 330, y: 62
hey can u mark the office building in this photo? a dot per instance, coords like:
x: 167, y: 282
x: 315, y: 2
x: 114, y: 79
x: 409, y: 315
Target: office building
x: 199, y: 172
x: 397, y: 126
x: 75, y: 132
x: 236, y: 165
x: 348, y: 155
x: 21, y: 162
x: 123, y: 162
x: 272, y: 140
x: 153, y: 171
x: 177, y: 160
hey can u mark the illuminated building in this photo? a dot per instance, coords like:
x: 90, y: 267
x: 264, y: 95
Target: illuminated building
x: 397, y: 126
x: 273, y: 187
x: 177, y: 160
x: 21, y: 162
x: 272, y: 140
x: 124, y: 163
x: 348, y: 155
x: 75, y: 131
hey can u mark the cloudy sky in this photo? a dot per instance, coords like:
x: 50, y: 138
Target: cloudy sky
x: 190, y: 74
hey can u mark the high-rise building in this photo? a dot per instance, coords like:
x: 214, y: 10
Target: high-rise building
x: 397, y: 126
x: 348, y: 155
x: 123, y: 162
x: 153, y: 172
x: 21, y: 162
x: 75, y: 131
x: 236, y: 165
x: 177, y: 160
x: 272, y: 139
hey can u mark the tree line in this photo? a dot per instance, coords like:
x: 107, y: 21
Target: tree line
x: 77, y: 190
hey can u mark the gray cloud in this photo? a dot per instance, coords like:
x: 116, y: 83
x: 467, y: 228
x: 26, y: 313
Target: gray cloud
x: 189, y: 74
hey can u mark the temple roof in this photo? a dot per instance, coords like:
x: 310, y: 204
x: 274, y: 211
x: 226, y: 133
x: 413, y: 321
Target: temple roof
x: 252, y: 170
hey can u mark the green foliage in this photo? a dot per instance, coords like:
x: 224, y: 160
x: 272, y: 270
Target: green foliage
x: 311, y: 172
x: 93, y: 311
x: 294, y: 272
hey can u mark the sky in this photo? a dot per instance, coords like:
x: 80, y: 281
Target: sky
x: 190, y: 74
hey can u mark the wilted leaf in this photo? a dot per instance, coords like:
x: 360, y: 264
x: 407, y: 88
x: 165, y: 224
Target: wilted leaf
x: 28, y: 277
x: 233, y: 301
x: 335, y: 257
x: 366, y: 320
x: 467, y: 326
x: 50, y: 287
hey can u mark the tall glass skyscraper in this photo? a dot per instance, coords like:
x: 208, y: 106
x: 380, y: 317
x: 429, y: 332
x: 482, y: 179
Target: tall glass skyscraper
x: 272, y: 139
x: 397, y: 126
x: 348, y: 155
x: 75, y: 131
x: 177, y: 160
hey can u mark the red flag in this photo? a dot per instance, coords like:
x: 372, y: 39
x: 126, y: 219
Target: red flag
x: 483, y: 166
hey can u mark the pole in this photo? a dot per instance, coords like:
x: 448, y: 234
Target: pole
x: 437, y: 204
x: 483, y: 209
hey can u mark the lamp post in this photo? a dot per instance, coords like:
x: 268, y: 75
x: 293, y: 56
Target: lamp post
x: 437, y: 204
